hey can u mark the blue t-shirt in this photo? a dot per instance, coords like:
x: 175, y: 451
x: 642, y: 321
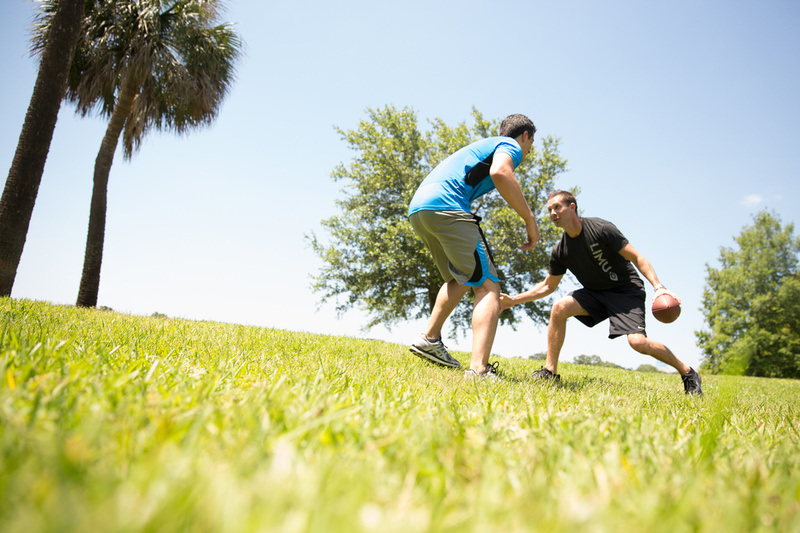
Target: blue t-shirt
x: 463, y: 176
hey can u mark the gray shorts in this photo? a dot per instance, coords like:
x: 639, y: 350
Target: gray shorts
x: 624, y: 309
x: 457, y: 244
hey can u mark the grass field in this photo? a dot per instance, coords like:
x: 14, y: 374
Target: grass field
x: 110, y: 422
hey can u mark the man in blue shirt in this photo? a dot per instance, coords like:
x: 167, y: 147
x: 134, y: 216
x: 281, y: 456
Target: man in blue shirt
x: 440, y: 215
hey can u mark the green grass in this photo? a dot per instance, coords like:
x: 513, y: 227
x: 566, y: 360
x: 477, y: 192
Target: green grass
x: 110, y: 422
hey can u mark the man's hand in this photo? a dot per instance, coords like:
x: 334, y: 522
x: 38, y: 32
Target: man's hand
x: 532, y: 229
x: 506, y: 301
x: 663, y: 290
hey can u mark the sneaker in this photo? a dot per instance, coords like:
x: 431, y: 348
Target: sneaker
x: 433, y: 351
x: 489, y: 374
x: 545, y: 375
x: 691, y: 382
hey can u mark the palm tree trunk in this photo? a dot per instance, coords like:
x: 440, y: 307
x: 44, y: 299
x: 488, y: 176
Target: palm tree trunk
x: 93, y: 256
x: 25, y: 175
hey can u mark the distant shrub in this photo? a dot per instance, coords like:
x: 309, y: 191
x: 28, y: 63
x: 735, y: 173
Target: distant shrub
x: 594, y: 360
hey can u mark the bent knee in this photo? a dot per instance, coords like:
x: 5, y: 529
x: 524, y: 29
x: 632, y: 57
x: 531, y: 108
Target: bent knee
x: 565, y: 308
x: 638, y: 342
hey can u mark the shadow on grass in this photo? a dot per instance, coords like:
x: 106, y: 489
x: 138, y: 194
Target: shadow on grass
x: 572, y: 384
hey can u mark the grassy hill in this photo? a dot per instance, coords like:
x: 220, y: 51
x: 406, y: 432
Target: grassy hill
x: 110, y: 422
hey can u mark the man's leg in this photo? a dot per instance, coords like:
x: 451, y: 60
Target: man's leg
x: 642, y: 344
x: 429, y: 344
x: 563, y: 309
x: 485, y: 314
x: 691, y: 379
x: 446, y: 301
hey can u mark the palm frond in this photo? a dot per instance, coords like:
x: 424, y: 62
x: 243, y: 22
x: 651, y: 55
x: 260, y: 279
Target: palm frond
x: 179, y: 55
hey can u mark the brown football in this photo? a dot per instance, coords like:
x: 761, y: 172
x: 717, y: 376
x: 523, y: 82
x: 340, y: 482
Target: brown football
x: 666, y: 309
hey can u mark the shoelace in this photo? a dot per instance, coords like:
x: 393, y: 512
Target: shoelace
x: 492, y: 368
x: 440, y: 348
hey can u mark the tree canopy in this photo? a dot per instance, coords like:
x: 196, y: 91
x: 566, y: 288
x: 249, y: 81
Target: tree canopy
x: 375, y: 261
x: 751, y: 304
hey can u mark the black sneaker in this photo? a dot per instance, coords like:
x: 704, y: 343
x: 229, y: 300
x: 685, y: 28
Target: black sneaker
x: 691, y: 382
x: 545, y: 375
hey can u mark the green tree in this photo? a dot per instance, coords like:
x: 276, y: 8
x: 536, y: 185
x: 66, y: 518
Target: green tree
x: 595, y: 361
x: 751, y: 304
x: 772, y: 347
x: 587, y: 360
x: 55, y: 49
x: 374, y: 259
x: 144, y: 64
x: 647, y: 368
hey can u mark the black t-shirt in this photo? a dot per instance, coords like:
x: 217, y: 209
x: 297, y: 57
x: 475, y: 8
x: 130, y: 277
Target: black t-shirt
x: 593, y: 257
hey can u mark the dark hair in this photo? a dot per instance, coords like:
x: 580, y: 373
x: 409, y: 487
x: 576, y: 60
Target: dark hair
x: 568, y: 197
x: 514, y: 125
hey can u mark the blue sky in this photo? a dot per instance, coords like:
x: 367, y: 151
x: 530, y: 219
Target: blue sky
x: 679, y: 121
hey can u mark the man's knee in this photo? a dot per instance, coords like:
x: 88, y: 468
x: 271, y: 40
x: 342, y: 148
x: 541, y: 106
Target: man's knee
x: 638, y: 342
x: 565, y: 308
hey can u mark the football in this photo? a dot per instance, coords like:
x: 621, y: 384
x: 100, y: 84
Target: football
x: 666, y: 308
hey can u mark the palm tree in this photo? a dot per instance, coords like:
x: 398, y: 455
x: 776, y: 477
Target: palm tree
x: 56, y: 47
x: 145, y: 64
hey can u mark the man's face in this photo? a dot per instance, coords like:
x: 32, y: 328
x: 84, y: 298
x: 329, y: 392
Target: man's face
x: 558, y: 210
x: 526, y: 144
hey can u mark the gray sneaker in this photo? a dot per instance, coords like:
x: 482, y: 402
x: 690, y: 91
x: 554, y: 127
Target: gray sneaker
x: 691, y: 382
x: 490, y: 374
x: 433, y: 351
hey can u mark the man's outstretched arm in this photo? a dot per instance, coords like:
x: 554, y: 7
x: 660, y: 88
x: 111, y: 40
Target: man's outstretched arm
x: 544, y: 288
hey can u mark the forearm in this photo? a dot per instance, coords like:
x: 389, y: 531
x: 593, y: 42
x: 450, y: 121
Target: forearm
x: 642, y: 264
x: 539, y: 291
x: 502, y: 174
x: 647, y: 270
x: 509, y: 189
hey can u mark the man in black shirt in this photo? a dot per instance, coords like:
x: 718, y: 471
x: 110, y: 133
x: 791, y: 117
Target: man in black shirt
x: 603, y: 261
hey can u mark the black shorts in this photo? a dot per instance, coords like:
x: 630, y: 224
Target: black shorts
x: 623, y: 308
